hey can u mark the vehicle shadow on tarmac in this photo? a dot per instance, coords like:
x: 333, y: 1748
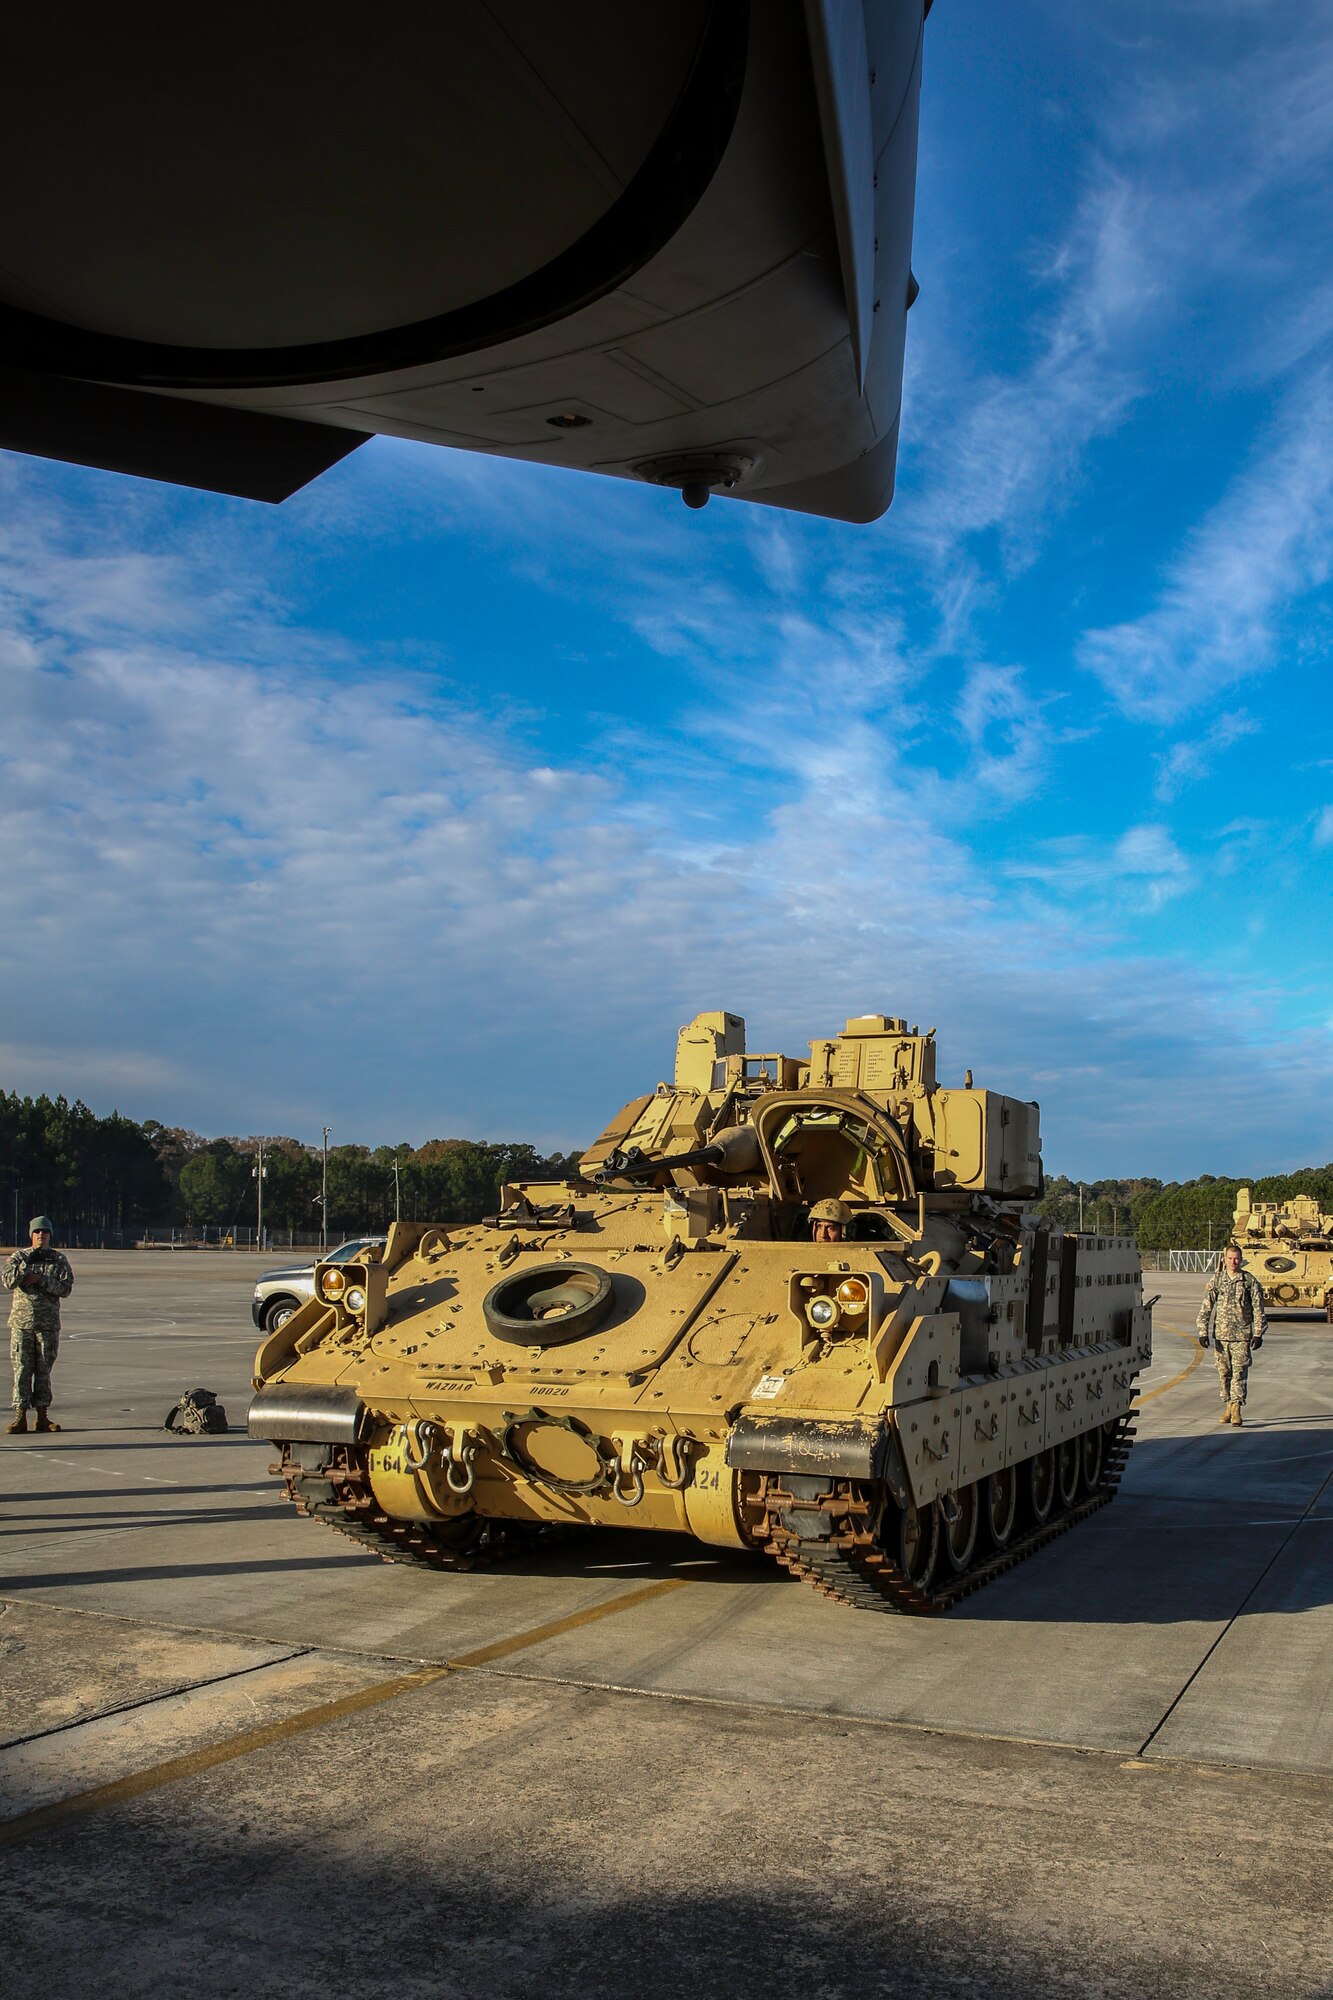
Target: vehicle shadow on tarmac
x: 534, y: 1887
x: 46, y: 1497
x: 1207, y: 1526
x: 173, y: 1572
x: 138, y: 1440
x: 76, y: 1522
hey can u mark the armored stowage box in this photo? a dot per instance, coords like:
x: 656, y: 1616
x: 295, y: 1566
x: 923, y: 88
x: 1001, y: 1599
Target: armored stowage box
x: 1289, y: 1248
x: 789, y: 1305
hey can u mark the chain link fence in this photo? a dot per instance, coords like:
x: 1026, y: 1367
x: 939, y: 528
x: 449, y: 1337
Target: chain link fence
x: 179, y: 1237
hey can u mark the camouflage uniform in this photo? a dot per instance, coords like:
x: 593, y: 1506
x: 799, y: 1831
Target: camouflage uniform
x: 1233, y: 1312
x: 39, y: 1280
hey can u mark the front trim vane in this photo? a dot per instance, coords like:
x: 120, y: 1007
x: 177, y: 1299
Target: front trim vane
x: 307, y: 1413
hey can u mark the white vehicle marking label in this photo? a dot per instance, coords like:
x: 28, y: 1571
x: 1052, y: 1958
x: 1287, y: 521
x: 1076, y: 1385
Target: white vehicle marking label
x: 767, y: 1387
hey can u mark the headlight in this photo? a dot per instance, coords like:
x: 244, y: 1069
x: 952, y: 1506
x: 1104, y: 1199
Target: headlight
x: 853, y: 1295
x: 355, y: 1300
x: 332, y: 1285
x: 823, y: 1311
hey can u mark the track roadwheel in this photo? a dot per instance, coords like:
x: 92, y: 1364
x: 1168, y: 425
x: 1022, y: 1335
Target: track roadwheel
x: 1039, y: 1485
x: 1091, y: 1445
x: 960, y: 1516
x: 999, y: 1506
x: 1068, y: 1463
x: 911, y: 1538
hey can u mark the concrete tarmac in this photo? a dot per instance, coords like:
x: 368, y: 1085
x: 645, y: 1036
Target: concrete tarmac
x: 237, y: 1754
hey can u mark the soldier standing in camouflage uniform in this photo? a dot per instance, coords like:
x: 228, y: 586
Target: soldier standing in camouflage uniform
x: 1233, y: 1313
x: 39, y: 1278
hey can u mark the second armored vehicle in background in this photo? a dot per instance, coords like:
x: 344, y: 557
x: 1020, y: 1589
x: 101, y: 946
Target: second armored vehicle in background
x: 1289, y: 1248
x: 798, y: 1305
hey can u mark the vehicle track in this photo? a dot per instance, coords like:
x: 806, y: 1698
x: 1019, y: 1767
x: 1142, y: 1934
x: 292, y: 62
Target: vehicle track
x: 844, y: 1560
x: 847, y: 1562
x: 340, y: 1497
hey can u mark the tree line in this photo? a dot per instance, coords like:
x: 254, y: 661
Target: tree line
x: 1175, y: 1215
x: 98, y: 1176
x: 107, y: 1175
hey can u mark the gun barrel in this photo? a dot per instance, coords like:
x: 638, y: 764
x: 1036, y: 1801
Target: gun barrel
x: 636, y: 1165
x: 736, y: 1151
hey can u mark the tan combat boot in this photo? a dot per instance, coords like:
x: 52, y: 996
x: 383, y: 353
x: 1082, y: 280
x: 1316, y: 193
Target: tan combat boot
x: 44, y: 1423
x: 20, y: 1423
x: 1235, y: 1415
x: 1225, y: 1417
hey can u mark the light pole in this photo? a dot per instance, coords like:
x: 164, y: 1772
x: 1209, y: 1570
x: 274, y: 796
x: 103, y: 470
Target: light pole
x: 257, y: 1173
x: 1080, y: 1208
x: 397, y: 1202
x: 324, y: 1198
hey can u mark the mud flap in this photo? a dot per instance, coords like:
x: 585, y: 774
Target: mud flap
x: 845, y: 1449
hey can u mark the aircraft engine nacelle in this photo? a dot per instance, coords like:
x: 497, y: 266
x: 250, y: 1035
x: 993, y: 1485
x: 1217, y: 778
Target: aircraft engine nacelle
x: 667, y: 242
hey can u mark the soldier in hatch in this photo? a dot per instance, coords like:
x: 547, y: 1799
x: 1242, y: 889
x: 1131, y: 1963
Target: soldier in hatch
x: 39, y: 1278
x: 1233, y: 1314
x: 828, y: 1221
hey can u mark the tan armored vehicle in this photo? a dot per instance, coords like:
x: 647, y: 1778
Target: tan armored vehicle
x: 897, y: 1399
x: 1289, y: 1248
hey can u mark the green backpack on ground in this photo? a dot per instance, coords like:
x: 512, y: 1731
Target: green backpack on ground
x: 197, y: 1411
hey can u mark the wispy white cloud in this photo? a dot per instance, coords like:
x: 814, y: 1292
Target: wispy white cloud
x: 1193, y: 757
x: 1227, y: 129
x: 1219, y: 616
x: 244, y: 896
x: 1196, y: 251
x: 1143, y: 865
x: 1005, y: 728
x: 1009, y: 446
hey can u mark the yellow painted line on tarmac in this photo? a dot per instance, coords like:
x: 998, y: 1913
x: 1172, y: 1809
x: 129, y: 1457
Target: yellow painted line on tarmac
x: 502, y: 1648
x: 1184, y: 1374
x: 175, y: 1768
x: 137, y: 1783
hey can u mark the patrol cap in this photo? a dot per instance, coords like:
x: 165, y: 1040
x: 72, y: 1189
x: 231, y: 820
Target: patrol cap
x: 41, y: 1222
x: 830, y: 1210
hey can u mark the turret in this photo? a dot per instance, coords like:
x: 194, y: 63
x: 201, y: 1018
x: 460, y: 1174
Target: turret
x: 870, y: 1091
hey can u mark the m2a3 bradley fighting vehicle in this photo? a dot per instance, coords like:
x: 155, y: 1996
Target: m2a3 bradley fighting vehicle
x: 896, y: 1400
x: 1288, y: 1246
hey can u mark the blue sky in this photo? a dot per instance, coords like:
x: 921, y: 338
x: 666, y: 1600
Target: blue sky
x: 432, y: 802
